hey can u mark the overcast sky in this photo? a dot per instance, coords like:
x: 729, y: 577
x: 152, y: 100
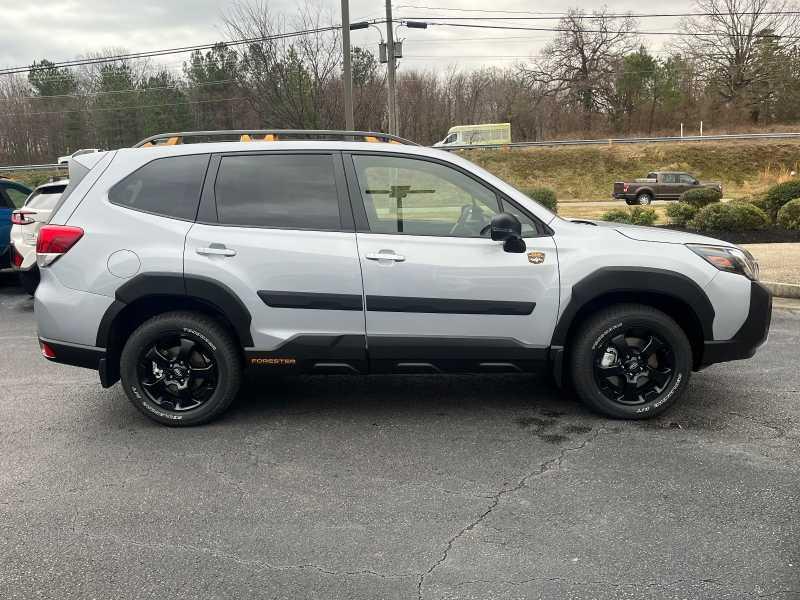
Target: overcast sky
x: 65, y: 29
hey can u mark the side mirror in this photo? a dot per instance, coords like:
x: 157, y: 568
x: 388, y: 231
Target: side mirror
x: 506, y: 228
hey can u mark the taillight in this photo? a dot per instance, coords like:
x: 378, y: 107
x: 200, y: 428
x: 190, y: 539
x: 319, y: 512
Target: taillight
x: 55, y: 241
x: 624, y: 187
x: 20, y: 217
x: 47, y: 351
x: 16, y: 257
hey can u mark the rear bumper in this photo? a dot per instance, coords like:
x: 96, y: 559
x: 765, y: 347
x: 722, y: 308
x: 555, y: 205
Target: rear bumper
x: 752, y: 334
x: 87, y: 357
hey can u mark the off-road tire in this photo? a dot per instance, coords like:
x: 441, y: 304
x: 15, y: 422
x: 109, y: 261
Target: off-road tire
x: 203, y: 330
x: 596, y: 332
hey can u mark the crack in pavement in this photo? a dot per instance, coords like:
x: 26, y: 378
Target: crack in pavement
x: 546, y: 466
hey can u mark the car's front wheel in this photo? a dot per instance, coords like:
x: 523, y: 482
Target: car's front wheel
x: 630, y: 361
x: 181, y: 368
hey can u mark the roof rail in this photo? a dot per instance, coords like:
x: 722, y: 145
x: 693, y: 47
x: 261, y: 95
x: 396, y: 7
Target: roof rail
x: 271, y: 135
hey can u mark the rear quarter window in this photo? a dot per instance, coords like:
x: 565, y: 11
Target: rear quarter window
x: 168, y: 186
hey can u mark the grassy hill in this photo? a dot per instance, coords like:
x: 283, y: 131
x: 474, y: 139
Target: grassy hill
x: 588, y: 172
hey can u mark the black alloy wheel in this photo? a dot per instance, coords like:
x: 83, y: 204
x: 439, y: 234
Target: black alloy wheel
x: 635, y: 367
x: 177, y: 373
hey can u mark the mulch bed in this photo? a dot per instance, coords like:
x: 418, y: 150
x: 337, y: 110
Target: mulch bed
x: 770, y: 235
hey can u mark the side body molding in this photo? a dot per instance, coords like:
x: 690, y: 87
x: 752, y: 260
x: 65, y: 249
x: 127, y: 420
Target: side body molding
x: 152, y: 285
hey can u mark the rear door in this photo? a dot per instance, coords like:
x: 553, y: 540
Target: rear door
x: 440, y: 295
x: 276, y: 228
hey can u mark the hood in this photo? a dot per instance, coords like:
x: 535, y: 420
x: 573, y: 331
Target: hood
x: 658, y: 234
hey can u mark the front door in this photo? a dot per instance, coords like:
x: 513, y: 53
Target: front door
x: 440, y: 295
x: 280, y: 236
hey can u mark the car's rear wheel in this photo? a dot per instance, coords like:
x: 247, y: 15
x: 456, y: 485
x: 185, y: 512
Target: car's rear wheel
x: 644, y: 199
x: 181, y: 368
x: 29, y: 280
x: 630, y: 361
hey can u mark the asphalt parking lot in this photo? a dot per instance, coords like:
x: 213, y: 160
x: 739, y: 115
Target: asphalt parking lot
x: 398, y: 487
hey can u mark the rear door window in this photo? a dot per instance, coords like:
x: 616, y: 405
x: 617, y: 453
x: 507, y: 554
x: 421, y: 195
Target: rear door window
x: 286, y: 191
x: 168, y: 186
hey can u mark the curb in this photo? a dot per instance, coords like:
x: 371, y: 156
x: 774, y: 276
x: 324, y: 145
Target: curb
x: 783, y: 290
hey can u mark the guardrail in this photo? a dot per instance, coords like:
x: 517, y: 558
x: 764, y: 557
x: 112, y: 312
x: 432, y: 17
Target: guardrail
x: 597, y: 142
x: 641, y: 140
x: 52, y: 167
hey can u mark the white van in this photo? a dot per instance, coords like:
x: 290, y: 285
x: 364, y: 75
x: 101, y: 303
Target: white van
x: 478, y: 135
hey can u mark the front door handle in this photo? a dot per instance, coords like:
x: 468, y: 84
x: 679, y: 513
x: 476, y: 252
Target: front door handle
x: 216, y: 250
x: 385, y: 255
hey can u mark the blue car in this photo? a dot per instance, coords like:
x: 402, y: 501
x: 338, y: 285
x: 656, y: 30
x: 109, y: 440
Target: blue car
x: 12, y: 197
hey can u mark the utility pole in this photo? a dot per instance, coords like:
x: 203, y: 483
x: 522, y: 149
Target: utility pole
x: 347, y: 75
x: 390, y: 65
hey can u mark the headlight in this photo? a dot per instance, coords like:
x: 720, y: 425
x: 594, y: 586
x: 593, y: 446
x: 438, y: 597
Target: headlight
x: 732, y: 260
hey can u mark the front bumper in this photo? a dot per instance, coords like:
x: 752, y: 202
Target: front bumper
x: 752, y: 334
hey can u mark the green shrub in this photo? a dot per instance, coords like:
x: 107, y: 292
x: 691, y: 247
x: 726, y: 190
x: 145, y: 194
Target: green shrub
x: 730, y: 216
x: 635, y: 216
x: 759, y: 201
x: 700, y: 197
x: 544, y: 196
x: 617, y: 215
x: 680, y: 213
x: 643, y: 216
x: 779, y: 195
x: 789, y: 215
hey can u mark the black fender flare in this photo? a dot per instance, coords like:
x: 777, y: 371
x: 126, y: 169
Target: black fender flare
x: 216, y: 295
x: 610, y: 280
x: 627, y: 280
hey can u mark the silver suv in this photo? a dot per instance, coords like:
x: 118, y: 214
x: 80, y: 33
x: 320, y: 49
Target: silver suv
x: 176, y: 266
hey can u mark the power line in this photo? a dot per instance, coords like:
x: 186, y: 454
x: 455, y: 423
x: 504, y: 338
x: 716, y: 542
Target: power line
x: 609, y: 31
x: 185, y: 86
x: 120, y: 108
x: 549, y: 16
x: 163, y: 52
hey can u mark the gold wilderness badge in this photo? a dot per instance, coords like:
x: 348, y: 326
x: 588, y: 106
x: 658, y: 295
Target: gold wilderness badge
x: 536, y: 258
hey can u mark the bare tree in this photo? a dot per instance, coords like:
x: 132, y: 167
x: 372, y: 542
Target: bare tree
x: 740, y: 46
x: 284, y: 76
x: 579, y: 63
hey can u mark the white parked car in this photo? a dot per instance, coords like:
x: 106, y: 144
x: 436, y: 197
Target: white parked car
x: 64, y: 160
x: 25, y: 225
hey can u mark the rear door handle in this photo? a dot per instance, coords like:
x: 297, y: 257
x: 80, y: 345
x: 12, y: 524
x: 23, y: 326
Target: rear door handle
x: 216, y: 250
x: 383, y: 255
